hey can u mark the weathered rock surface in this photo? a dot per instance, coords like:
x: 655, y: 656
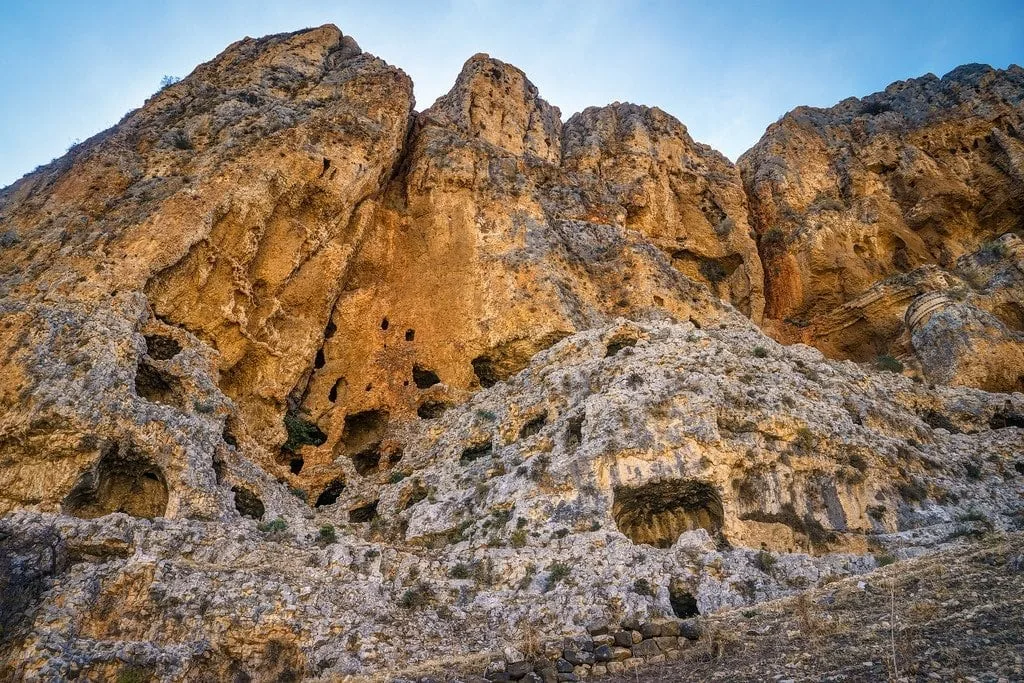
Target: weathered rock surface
x: 843, y: 198
x: 298, y: 382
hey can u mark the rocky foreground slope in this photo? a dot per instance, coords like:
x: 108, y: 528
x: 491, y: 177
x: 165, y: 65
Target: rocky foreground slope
x: 301, y: 383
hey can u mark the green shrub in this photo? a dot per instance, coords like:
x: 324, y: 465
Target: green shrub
x: 764, y: 561
x: 327, y: 534
x: 459, y: 571
x: 180, y: 141
x: 274, y: 526
x: 643, y: 587
x: 888, y: 363
x: 301, y: 432
x: 518, y: 539
x: 168, y: 81
x: 397, y: 477
x: 418, y: 596
x: 884, y: 559
x: 557, y: 572
x: 760, y: 352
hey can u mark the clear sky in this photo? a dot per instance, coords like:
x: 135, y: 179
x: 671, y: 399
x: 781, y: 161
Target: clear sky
x: 71, y: 68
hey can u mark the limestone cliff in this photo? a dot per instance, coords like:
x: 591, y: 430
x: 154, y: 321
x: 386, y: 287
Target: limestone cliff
x: 871, y: 190
x: 301, y: 383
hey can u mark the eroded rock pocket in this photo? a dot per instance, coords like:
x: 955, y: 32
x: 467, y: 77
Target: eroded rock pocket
x: 656, y: 514
x: 248, y: 503
x: 364, y: 513
x: 160, y: 347
x: 125, y: 482
x: 362, y: 437
x: 157, y: 386
x: 329, y: 496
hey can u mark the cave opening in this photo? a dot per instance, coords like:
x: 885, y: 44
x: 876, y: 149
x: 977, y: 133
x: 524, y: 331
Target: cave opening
x: 329, y: 496
x: 656, y: 514
x: 156, y: 386
x: 424, y: 378
x: 684, y: 604
x: 431, y: 410
x: 119, y: 481
x: 363, y: 513
x: 248, y: 503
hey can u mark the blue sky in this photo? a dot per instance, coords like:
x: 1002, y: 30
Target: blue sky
x: 69, y: 69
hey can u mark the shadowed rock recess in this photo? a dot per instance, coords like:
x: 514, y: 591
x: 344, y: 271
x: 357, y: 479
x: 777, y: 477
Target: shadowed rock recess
x: 300, y: 383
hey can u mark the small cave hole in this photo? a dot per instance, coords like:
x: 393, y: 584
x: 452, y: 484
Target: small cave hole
x: 424, y: 378
x: 533, y: 426
x: 330, y: 329
x: 329, y: 496
x: 684, y: 605
x: 574, y: 433
x: 410, y: 335
x: 367, y: 461
x: 656, y: 514
x: 937, y: 420
x: 616, y: 345
x: 332, y: 395
x: 248, y: 503
x: 485, y: 371
x: 319, y: 361
x: 119, y: 482
x: 431, y: 410
x: 363, y: 429
x: 364, y: 513
x: 1006, y: 419
x: 384, y: 324
x: 160, y: 347
x: 476, y: 451
x: 1019, y: 466
x: 156, y: 386
x: 295, y: 465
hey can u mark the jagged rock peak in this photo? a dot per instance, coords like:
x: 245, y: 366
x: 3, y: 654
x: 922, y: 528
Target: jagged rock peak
x: 496, y: 103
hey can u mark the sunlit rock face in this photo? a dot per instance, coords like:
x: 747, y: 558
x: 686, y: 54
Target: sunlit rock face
x: 299, y: 382
x: 866, y: 192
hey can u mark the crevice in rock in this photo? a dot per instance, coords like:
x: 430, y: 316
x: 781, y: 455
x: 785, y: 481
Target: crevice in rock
x: 656, y: 514
x: 476, y: 451
x: 125, y: 482
x: 618, y: 344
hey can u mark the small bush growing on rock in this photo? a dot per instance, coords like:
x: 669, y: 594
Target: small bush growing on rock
x: 459, y: 571
x: 275, y: 526
x: 168, y: 81
x: 518, y: 539
x: 299, y: 493
x: 132, y: 674
x: 712, y: 271
x: 884, y: 559
x: 760, y: 352
x: 991, y: 252
x: 888, y: 363
x: 643, y: 587
x: 301, y: 432
x: 764, y: 561
x: 557, y: 572
x: 418, y: 596
x: 180, y: 141
x: 327, y: 534
x: 486, y: 415
x: 396, y: 477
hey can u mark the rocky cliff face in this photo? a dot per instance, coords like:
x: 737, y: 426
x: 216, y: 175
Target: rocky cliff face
x: 299, y: 382
x: 850, y: 202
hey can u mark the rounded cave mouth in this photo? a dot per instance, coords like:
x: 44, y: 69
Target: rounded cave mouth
x: 122, y: 480
x: 656, y: 514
